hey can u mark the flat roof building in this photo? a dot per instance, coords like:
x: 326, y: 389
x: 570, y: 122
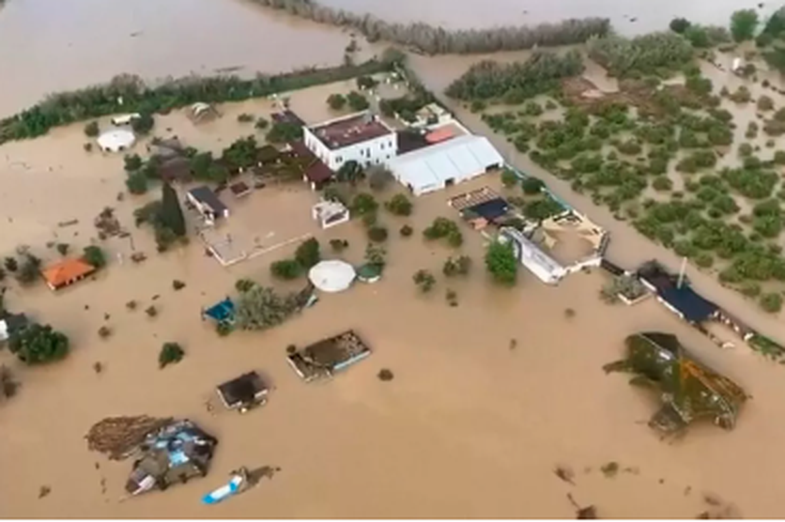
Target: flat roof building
x: 360, y: 137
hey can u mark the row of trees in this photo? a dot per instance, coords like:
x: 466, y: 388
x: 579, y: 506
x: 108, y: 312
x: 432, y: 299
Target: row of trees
x: 437, y: 40
x: 646, y: 54
x: 515, y: 82
x: 128, y: 93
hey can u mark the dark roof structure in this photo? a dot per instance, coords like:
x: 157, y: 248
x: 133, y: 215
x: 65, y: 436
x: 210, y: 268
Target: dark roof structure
x: 244, y: 390
x: 683, y: 299
x: 287, y: 116
x: 204, y: 195
x: 351, y: 130
x: 323, y: 358
x: 175, y: 169
x: 316, y: 170
x: 489, y: 210
x: 409, y: 140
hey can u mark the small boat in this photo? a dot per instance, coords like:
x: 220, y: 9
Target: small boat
x: 229, y: 489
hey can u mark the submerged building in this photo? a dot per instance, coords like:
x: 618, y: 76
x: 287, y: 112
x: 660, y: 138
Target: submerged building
x: 688, y: 389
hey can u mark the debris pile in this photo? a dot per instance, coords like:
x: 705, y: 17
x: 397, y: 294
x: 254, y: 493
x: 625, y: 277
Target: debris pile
x: 118, y: 437
x: 107, y: 224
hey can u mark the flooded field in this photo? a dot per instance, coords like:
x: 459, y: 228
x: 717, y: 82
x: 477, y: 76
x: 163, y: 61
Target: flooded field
x: 81, y: 42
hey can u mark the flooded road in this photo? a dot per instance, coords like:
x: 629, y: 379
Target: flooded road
x: 53, y: 46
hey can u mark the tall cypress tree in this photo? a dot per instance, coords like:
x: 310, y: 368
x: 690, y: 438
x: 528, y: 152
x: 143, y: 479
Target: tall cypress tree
x: 171, y: 213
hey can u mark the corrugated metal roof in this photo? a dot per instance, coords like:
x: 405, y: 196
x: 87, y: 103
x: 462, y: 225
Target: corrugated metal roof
x: 457, y: 159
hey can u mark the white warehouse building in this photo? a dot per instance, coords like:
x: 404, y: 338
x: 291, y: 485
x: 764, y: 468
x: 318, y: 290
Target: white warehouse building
x: 443, y: 164
x: 360, y: 137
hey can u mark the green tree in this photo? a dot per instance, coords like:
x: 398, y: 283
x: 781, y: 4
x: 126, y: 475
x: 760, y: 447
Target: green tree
x: 260, y: 308
x: 38, y: 344
x: 501, y: 263
x: 350, y: 172
x: 171, y: 215
x: 399, y: 205
x: 356, y: 101
x: 379, y: 177
x: 91, y: 130
x: 679, y: 25
x: 336, y: 101
x: 364, y: 203
x: 171, y: 353
x: 282, y: 132
x: 136, y: 183
x: 143, y: 124
x: 286, y: 269
x: 11, y: 264
x: 308, y: 253
x: 457, y: 266
x: 743, y: 24
x: 509, y: 179
x: 261, y: 123
x: 424, y: 280
x: 132, y: 162
x: 29, y: 270
x: 93, y: 255
x: 377, y: 234
x: 532, y: 185
x: 771, y: 302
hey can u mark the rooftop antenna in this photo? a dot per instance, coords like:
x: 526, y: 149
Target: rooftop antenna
x: 682, y: 270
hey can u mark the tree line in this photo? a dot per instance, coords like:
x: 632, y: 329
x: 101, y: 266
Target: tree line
x: 437, y: 40
x: 128, y: 93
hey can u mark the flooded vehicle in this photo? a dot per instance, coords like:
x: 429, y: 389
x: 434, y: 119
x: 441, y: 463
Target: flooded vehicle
x: 688, y: 389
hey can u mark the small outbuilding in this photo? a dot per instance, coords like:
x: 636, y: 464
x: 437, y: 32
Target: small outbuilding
x: 116, y: 140
x: 244, y: 392
x: 207, y: 203
x: 330, y: 213
x: 446, y: 163
x: 66, y: 273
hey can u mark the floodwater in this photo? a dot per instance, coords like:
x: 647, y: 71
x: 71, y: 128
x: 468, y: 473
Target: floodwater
x: 53, y: 46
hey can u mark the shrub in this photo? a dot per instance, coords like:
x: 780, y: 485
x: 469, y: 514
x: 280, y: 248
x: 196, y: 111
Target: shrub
x: 177, y: 285
x: 743, y: 24
x: 364, y: 203
x: 29, y: 269
x: 93, y: 255
x: 679, y: 25
x: 444, y: 228
x: 286, y: 269
x: 745, y: 150
x: 771, y: 302
x: 662, y: 183
x: 501, y: 263
x: 171, y: 353
x: 370, y: 219
x: 377, y: 234
x: 339, y: 245
x: 424, y: 280
x: 385, y: 375
x: 406, y: 231
x: 765, y: 103
x: 399, y: 205
x: 132, y: 162
x: 38, y: 344
x: 136, y: 183
x: 104, y: 332
x: 11, y: 264
x: 62, y: 248
x: 336, y: 101
x: 308, y: 253
x: 457, y: 266
x: 143, y: 124
x: 151, y: 311
x: 245, y: 118
x: 92, y: 130
x: 379, y: 177
x: 509, y: 178
x: 261, y: 123
x: 532, y: 186
x: 356, y: 101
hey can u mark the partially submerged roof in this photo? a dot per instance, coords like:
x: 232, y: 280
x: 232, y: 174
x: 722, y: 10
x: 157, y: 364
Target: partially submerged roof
x: 538, y: 262
x: 240, y: 189
x: 222, y: 311
x: 243, y: 390
x: 694, y: 307
x: 204, y: 195
x: 175, y: 169
x: 323, y: 358
x: 66, y: 271
x: 350, y: 130
x: 688, y: 388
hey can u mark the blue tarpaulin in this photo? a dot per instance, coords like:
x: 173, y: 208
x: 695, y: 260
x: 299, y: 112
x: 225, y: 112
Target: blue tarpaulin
x: 490, y: 210
x: 692, y: 306
x: 222, y: 312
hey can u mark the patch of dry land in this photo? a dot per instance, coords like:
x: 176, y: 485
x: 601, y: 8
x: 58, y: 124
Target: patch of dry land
x: 489, y: 397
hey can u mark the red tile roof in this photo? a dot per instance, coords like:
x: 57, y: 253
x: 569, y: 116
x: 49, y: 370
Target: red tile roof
x: 62, y: 273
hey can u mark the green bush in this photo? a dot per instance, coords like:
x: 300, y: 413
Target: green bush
x: 93, y: 255
x: 531, y: 185
x: 336, y: 101
x: 38, y: 344
x: 92, y: 130
x: 171, y: 353
x: 771, y: 302
x: 406, y: 231
x: 399, y: 205
x: 356, y: 101
x: 424, y: 280
x: 457, y: 266
x: 308, y: 253
x: 501, y: 263
x: 377, y: 234
x: 286, y: 269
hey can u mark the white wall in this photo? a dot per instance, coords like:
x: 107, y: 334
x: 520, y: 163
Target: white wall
x: 378, y: 151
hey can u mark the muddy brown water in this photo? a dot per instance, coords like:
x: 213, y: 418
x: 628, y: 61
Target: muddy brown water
x: 54, y: 46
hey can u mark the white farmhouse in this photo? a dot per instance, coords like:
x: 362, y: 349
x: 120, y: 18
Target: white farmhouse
x: 361, y: 137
